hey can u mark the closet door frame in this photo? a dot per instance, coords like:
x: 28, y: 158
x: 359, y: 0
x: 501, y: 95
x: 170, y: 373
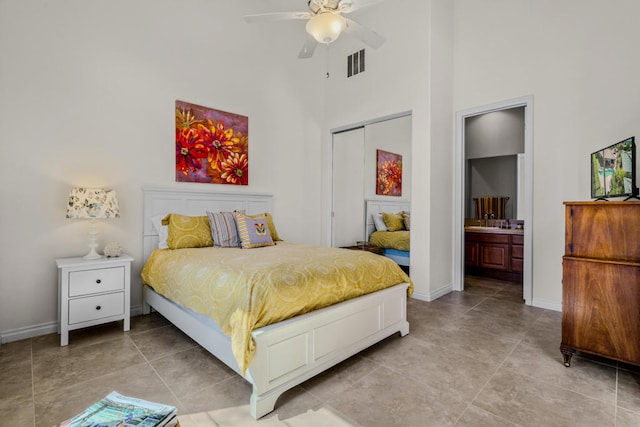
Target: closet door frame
x: 347, y: 189
x: 347, y: 128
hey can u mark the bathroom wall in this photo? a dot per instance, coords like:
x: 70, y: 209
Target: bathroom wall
x: 493, y: 176
x: 492, y: 142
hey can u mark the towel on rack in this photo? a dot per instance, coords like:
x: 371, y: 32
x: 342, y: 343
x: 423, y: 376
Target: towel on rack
x: 490, y: 205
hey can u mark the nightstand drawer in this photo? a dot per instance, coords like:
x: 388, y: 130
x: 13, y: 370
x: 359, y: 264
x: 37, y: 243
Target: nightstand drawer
x: 97, y: 307
x: 95, y: 281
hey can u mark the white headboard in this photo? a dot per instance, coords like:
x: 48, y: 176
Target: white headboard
x: 376, y: 206
x: 162, y: 201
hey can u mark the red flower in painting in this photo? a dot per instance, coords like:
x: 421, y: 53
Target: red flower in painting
x: 235, y: 169
x: 189, y: 151
x: 209, y: 144
x: 389, y: 177
x: 219, y: 141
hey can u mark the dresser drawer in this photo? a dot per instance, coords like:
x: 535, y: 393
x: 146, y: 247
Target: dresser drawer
x: 95, y: 281
x: 96, y: 307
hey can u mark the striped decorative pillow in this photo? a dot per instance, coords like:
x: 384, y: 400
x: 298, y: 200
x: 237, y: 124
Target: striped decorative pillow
x: 254, y: 232
x: 223, y: 229
x: 406, y: 218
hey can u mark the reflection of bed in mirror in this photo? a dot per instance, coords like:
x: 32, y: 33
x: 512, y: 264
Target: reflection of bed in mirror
x: 396, y: 244
x: 292, y: 350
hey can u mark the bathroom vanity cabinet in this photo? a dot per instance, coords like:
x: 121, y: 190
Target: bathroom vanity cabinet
x: 494, y: 253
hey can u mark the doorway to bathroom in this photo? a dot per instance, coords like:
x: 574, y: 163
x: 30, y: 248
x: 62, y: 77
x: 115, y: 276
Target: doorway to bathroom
x: 494, y: 155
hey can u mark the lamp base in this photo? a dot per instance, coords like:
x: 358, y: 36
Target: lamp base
x: 92, y: 254
x: 93, y: 244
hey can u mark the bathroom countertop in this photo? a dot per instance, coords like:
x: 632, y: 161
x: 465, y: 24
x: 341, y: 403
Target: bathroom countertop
x: 493, y: 230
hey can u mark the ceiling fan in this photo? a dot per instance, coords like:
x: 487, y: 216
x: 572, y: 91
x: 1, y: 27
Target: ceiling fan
x: 326, y: 22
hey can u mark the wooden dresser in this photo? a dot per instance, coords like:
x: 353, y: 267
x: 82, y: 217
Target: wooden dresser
x: 601, y: 281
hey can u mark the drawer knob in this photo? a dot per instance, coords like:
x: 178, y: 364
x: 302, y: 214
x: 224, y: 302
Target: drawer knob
x: 98, y: 281
x: 98, y: 307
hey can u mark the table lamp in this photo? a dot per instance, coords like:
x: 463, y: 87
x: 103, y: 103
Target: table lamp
x: 92, y: 204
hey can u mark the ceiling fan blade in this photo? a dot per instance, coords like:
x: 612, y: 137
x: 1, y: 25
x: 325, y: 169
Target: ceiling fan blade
x: 348, y: 6
x: 364, y: 34
x: 308, y: 48
x: 278, y: 16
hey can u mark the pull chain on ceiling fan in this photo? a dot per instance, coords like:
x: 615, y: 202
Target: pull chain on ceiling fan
x: 326, y: 22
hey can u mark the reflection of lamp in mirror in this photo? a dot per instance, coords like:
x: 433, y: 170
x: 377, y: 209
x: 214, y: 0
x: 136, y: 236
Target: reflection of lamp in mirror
x: 92, y: 204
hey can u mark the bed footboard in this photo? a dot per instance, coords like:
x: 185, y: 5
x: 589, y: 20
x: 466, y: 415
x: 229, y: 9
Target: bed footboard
x: 295, y: 350
x: 290, y: 352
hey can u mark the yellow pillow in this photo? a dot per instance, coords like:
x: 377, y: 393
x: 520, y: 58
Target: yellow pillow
x: 394, y: 222
x: 270, y: 224
x: 188, y: 231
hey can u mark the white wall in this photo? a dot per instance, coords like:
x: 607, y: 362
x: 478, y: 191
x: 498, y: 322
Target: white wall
x: 580, y: 61
x: 499, y: 133
x: 87, y: 99
x: 399, y: 78
x: 439, y: 206
x: 493, y: 176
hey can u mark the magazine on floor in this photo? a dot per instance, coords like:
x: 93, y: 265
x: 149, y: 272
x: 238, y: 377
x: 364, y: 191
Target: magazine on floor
x: 117, y: 410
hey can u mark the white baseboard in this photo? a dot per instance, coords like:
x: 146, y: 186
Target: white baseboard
x: 441, y: 292
x: 28, y: 332
x: 42, y: 329
x: 549, y: 305
x: 136, y: 310
x: 432, y: 296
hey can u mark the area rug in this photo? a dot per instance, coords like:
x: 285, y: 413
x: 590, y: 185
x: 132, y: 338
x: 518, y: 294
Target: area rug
x: 239, y: 416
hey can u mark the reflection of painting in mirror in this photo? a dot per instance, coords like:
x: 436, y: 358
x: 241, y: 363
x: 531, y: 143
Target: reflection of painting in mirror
x: 388, y: 173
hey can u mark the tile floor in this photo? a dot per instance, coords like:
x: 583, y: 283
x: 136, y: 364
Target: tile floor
x: 476, y: 358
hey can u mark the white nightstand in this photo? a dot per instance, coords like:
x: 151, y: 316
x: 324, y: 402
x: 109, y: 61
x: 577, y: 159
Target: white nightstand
x: 91, y: 292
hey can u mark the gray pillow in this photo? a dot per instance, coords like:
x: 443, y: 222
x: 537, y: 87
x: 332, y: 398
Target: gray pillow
x: 224, y: 229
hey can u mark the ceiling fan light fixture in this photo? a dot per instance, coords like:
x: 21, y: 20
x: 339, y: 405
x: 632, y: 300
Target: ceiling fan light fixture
x: 325, y: 27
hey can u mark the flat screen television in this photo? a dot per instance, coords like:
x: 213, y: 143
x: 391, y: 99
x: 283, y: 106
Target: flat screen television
x: 613, y: 170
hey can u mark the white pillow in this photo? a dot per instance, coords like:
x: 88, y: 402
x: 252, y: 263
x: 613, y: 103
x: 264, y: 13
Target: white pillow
x: 162, y: 230
x: 379, y: 222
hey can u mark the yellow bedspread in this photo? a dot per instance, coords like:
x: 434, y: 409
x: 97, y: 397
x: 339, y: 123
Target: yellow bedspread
x: 398, y: 240
x: 245, y: 289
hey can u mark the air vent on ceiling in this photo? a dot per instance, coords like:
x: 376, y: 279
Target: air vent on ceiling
x: 355, y: 63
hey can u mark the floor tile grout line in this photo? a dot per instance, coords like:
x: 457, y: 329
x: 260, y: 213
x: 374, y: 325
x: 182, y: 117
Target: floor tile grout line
x: 33, y: 386
x: 615, y: 401
x: 577, y: 392
x: 615, y: 407
x: 483, y: 410
x: 489, y: 380
x: 233, y: 373
x: 156, y: 372
x: 369, y: 373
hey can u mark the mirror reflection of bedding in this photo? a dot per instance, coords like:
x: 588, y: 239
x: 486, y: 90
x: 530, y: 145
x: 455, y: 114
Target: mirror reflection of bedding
x: 398, y: 240
x: 243, y: 290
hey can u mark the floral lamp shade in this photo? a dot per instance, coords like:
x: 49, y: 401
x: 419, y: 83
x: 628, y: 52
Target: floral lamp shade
x: 92, y: 203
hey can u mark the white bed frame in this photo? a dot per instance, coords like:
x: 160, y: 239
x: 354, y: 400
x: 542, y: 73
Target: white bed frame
x: 376, y: 206
x: 289, y: 352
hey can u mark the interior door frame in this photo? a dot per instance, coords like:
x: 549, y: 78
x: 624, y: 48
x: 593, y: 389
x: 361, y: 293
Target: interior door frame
x: 460, y: 182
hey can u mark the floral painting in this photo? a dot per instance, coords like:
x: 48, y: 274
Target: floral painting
x: 388, y: 173
x: 212, y: 146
